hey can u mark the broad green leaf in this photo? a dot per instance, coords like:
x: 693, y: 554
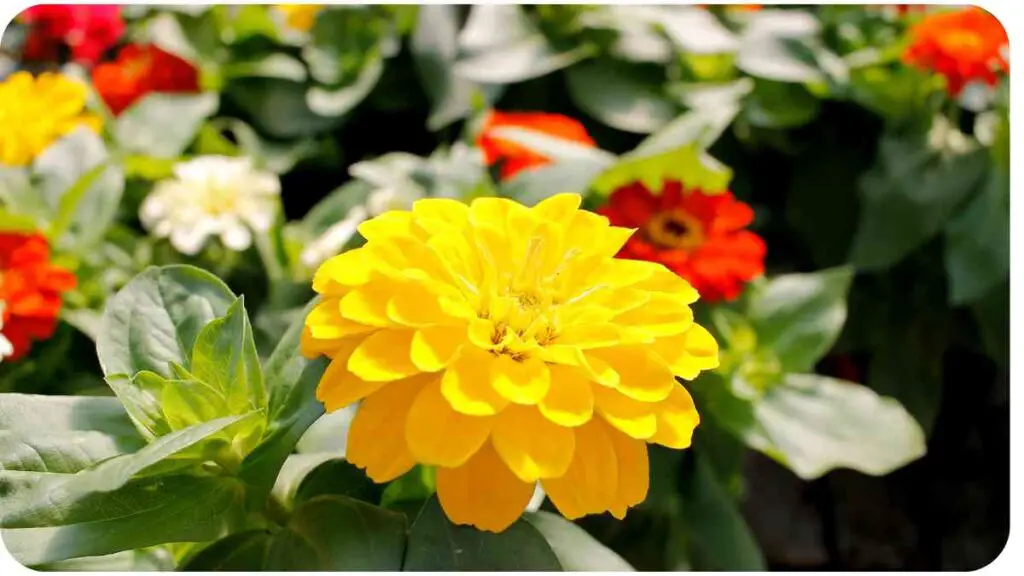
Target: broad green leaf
x: 62, y: 434
x: 701, y: 126
x: 52, y: 499
x: 333, y: 102
x: 276, y: 65
x: 241, y: 552
x: 328, y: 434
x: 530, y: 57
x: 335, y: 533
x: 978, y: 242
x: 146, y: 560
x: 141, y: 398
x: 912, y: 192
x: 163, y: 125
x: 224, y: 357
x: 294, y: 470
x: 990, y: 313
x: 799, y: 316
x: 492, y: 25
x: 149, y: 512
x: 686, y: 164
x: 278, y: 107
x: 719, y: 538
x: 275, y: 156
x: 435, y: 545
x: 907, y: 365
x: 532, y: 186
x: 156, y: 318
x: 291, y: 383
x: 576, y: 550
x: 554, y: 148
x: 693, y: 29
x: 818, y: 424
x: 434, y: 48
x: 81, y: 187
x: 412, y: 488
x: 189, y: 402
x: 766, y: 46
x: 619, y: 97
x: 779, y: 105
x: 338, y: 478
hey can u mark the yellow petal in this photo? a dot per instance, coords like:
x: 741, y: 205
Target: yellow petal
x: 312, y: 347
x: 411, y: 305
x: 440, y: 214
x: 325, y: 322
x: 637, y: 419
x: 665, y: 281
x: 590, y: 336
x: 677, y: 418
x: 367, y: 305
x: 595, y: 368
x: 642, y: 375
x: 634, y: 472
x: 689, y: 353
x: 340, y: 272
x: 522, y: 382
x: 570, y: 399
x: 384, y: 356
x: 376, y: 439
x: 467, y: 384
x: 391, y: 223
x: 532, y: 446
x: 590, y: 484
x: 558, y: 208
x: 434, y: 348
x: 483, y: 492
x: 438, y: 435
x: 662, y: 315
x: 339, y: 387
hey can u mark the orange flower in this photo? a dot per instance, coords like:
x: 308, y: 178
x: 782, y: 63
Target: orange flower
x: 30, y: 289
x: 963, y: 46
x: 515, y: 157
x: 140, y: 70
x: 698, y: 236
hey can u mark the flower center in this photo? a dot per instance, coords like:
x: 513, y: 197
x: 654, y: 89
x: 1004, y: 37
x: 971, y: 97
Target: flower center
x: 674, y: 229
x: 220, y: 200
x: 962, y: 40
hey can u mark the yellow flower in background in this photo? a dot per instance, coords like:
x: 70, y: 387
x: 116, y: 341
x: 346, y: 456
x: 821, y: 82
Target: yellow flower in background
x: 36, y: 111
x: 300, y: 16
x: 507, y: 346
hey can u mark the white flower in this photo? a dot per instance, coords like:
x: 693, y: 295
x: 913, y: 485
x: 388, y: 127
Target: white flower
x: 5, y: 345
x: 212, y: 196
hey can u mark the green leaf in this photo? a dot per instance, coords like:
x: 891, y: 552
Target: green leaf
x: 278, y: 107
x: 619, y: 97
x: 554, y: 148
x: 241, y: 552
x: 338, y: 478
x: 701, y: 126
x: 156, y: 318
x: 818, y: 424
x: 978, y: 242
x: 529, y: 57
x: 912, y: 192
x: 276, y: 65
x: 693, y: 29
x: 576, y: 550
x: 224, y: 357
x: 779, y: 105
x: 413, y: 487
x: 163, y: 125
x: 334, y: 533
x: 799, y: 316
x: 148, y: 560
x: 291, y: 383
x: 148, y: 512
x: 335, y: 102
x: 141, y: 398
x: 434, y: 49
x: 994, y: 324
x: 294, y: 470
x: 719, y: 538
x: 435, y: 544
x: 81, y: 187
x: 907, y: 365
x: 532, y: 186
x: 61, y: 434
x: 766, y: 46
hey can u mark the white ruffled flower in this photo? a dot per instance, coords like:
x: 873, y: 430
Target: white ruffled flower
x: 209, y: 196
x: 6, y: 349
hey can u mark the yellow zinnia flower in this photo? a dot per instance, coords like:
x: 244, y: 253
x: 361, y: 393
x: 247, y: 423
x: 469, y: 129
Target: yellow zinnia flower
x: 35, y: 111
x: 506, y: 345
x: 300, y: 16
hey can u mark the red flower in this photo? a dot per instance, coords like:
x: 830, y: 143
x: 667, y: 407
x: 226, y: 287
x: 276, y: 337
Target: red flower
x: 515, y: 157
x: 964, y: 46
x: 698, y: 236
x: 140, y: 70
x: 88, y: 30
x: 30, y: 288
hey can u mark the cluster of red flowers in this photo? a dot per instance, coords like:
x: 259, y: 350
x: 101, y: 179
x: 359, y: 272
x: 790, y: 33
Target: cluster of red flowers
x: 964, y: 46
x: 90, y: 31
x: 701, y: 237
x: 30, y: 289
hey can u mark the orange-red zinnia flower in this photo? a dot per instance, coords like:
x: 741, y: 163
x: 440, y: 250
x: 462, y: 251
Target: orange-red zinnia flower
x: 701, y: 237
x: 30, y: 288
x: 140, y: 70
x: 515, y: 157
x: 964, y: 46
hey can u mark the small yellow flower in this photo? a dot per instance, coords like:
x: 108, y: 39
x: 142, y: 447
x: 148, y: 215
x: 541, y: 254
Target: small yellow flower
x: 300, y: 16
x: 35, y: 111
x: 507, y: 346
